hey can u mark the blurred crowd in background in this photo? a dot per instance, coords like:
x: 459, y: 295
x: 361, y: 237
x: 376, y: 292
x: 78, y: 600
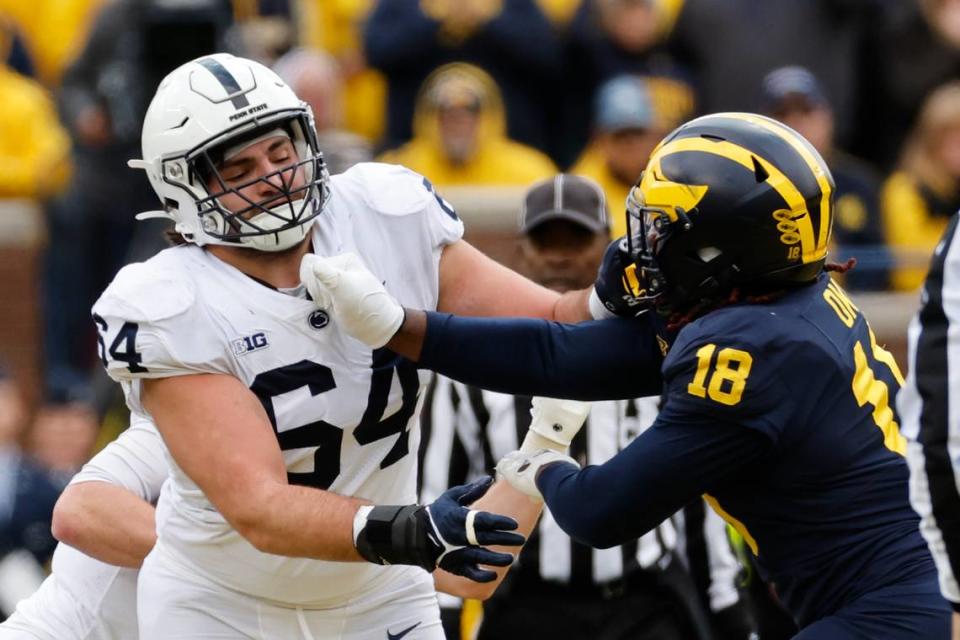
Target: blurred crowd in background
x: 485, y: 93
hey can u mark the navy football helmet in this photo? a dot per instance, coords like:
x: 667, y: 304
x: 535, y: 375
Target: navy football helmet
x: 728, y: 200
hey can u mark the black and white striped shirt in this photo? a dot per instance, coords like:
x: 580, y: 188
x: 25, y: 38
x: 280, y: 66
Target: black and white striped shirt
x: 467, y: 430
x: 930, y: 420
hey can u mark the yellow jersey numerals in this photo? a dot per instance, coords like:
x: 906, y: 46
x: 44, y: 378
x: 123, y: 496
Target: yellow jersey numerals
x: 844, y: 307
x: 867, y: 388
x: 727, y: 375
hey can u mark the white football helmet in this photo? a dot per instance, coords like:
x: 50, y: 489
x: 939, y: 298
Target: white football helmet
x: 206, y: 106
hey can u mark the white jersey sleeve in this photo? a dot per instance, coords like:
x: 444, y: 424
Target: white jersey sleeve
x: 135, y: 461
x: 146, y: 322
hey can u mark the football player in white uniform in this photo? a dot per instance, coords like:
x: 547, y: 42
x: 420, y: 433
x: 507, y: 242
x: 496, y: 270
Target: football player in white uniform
x: 284, y: 431
x: 110, y: 511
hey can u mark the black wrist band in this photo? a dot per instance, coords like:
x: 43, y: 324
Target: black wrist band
x: 397, y: 535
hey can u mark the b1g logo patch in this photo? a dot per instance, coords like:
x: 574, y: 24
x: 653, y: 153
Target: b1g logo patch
x: 246, y: 344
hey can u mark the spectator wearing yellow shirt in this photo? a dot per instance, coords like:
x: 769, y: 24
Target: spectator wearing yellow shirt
x: 460, y: 134
x: 625, y: 132
x: 918, y: 199
x: 34, y: 148
x: 336, y: 26
x: 54, y: 31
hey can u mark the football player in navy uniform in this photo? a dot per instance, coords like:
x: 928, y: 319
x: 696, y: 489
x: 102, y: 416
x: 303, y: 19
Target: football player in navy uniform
x: 779, y: 402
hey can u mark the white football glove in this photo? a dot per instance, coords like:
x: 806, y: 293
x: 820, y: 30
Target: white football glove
x: 358, y: 299
x: 520, y: 469
x: 554, y: 425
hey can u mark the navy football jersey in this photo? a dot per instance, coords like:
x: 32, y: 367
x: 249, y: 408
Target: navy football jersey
x: 825, y: 508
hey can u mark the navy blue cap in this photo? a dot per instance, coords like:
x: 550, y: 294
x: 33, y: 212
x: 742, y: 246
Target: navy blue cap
x: 794, y: 81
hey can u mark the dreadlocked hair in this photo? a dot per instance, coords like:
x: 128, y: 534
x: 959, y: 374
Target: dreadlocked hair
x: 679, y: 319
x: 174, y: 238
x: 676, y: 320
x: 841, y: 268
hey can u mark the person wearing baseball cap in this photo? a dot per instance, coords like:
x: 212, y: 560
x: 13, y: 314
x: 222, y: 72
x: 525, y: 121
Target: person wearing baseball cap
x: 794, y: 96
x: 626, y: 130
x: 564, y: 227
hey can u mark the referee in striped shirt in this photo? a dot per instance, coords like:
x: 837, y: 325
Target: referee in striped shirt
x: 660, y: 586
x: 928, y: 403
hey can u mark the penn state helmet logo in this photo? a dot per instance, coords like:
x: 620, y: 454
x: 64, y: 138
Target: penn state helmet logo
x: 319, y: 319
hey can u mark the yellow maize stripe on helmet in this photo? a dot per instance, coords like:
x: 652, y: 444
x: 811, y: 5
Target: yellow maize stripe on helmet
x: 658, y: 191
x: 631, y: 282
x: 816, y: 168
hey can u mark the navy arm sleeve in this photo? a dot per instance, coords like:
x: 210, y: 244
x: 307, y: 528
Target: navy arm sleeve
x: 665, y: 468
x: 599, y: 360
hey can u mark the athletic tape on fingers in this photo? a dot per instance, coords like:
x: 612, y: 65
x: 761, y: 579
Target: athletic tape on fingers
x: 471, y: 531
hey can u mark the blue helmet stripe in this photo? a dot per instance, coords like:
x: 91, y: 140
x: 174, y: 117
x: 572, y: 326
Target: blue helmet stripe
x: 230, y: 84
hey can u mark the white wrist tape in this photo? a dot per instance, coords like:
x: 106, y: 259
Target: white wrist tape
x: 597, y: 309
x: 360, y: 521
x: 520, y: 469
x: 554, y: 424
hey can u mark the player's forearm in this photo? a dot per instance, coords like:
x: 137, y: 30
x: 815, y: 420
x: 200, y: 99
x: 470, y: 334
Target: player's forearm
x: 290, y: 520
x: 218, y: 433
x: 572, y: 307
x: 408, y: 340
x: 105, y: 522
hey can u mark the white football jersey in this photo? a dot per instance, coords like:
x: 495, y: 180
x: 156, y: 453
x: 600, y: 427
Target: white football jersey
x: 344, y: 416
x: 83, y: 598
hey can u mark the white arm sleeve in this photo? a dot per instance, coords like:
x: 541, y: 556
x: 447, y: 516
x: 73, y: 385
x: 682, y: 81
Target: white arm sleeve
x: 136, y: 461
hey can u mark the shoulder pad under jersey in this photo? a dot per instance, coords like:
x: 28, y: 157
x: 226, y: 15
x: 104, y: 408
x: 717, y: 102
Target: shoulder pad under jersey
x: 389, y: 189
x: 146, y: 292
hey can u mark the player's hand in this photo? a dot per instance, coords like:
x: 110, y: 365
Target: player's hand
x: 622, y: 288
x: 445, y: 534
x: 520, y: 469
x: 554, y: 424
x: 358, y: 299
x: 460, y: 534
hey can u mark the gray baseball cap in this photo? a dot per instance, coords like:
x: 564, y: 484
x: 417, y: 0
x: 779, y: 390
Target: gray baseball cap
x: 565, y: 197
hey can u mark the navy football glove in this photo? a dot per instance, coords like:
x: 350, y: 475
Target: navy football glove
x: 623, y: 288
x: 445, y: 534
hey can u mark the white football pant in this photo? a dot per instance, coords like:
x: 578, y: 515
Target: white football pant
x: 174, y: 604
